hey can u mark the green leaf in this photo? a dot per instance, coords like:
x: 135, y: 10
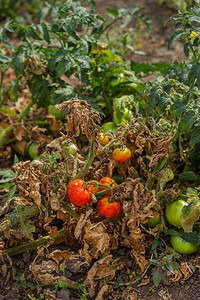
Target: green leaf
x: 156, y: 278
x: 195, y: 136
x: 189, y: 176
x: 176, y: 35
x: 187, y: 49
x: 152, y: 100
x: 194, y: 73
x: 192, y: 237
x: 44, y: 31
x: 178, y: 107
x: 63, y: 66
x: 19, y: 63
x: 33, y: 34
x: 64, y: 94
x: 172, y: 266
x: 4, y: 59
x: 26, y: 229
x: 191, y: 214
x: 12, y: 192
x: 187, y: 120
x: 8, y: 173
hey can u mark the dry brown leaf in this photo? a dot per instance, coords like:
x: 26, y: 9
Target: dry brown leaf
x: 95, y: 240
x: 80, y: 119
x: 182, y: 274
x: 100, y: 269
x: 55, y: 125
x: 102, y: 292
x: 81, y: 223
x: 59, y: 255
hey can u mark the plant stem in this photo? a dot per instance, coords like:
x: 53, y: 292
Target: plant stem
x: 34, y: 244
x: 10, y: 128
x: 88, y: 163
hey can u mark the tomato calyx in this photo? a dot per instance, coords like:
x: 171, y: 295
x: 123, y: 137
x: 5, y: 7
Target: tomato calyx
x: 92, y: 186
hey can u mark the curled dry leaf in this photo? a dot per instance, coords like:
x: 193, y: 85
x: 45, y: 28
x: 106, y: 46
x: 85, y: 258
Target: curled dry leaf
x: 80, y: 118
x: 95, y: 240
x: 28, y: 183
x: 81, y: 223
x: 182, y: 274
x: 102, y: 268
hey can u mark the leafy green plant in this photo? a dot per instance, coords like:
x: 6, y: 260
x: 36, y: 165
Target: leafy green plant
x: 66, y: 46
x: 174, y: 97
x: 76, y: 288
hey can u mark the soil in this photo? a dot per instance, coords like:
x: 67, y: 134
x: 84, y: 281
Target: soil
x: 155, y: 48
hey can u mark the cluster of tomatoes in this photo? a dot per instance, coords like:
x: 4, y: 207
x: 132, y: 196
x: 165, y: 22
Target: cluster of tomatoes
x: 174, y: 216
x: 121, y: 154
x: 80, y: 193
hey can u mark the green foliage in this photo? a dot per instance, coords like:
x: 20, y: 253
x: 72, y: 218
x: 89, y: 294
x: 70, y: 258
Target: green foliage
x: 76, y: 287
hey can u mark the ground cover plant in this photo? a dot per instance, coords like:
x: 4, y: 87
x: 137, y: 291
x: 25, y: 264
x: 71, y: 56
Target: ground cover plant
x: 102, y: 160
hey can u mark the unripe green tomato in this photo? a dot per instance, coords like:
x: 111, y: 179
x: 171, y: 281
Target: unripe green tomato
x: 33, y: 150
x: 56, y: 113
x: 182, y: 246
x: 153, y: 221
x: 173, y: 212
x: 72, y: 149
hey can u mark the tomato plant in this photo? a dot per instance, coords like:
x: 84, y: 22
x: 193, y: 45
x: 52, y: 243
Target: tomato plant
x: 173, y: 212
x: 109, y: 209
x: 182, y: 246
x: 77, y: 194
x: 121, y: 154
x: 109, y: 182
x: 103, y: 139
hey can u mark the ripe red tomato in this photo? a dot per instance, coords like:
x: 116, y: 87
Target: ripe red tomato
x: 174, y: 211
x: 121, y: 154
x: 77, y: 194
x: 182, y: 246
x: 103, y: 139
x: 109, y: 182
x: 109, y: 209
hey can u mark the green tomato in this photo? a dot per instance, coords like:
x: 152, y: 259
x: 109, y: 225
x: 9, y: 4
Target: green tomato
x: 153, y: 221
x: 33, y: 150
x: 109, y: 126
x: 117, y: 178
x: 56, y: 113
x: 174, y: 211
x: 182, y: 246
x: 72, y: 149
x: 122, y: 116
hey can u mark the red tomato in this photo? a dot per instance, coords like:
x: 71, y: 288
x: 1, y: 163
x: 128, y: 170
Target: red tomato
x: 103, y: 139
x: 121, y: 154
x: 77, y: 194
x: 109, y: 209
x: 109, y: 182
x: 93, y: 188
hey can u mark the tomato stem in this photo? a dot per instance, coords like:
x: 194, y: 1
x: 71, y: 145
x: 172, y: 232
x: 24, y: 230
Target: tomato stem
x: 108, y: 189
x: 88, y: 163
